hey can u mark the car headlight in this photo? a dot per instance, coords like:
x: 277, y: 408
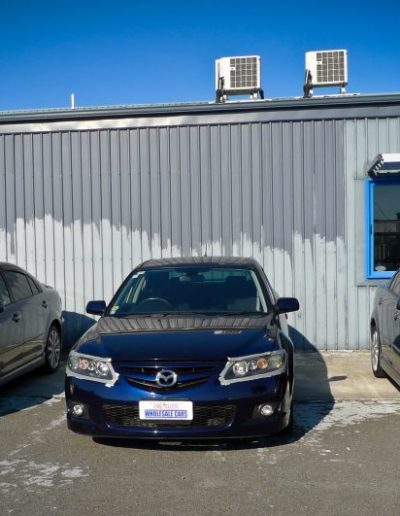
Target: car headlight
x: 252, y: 367
x: 90, y: 367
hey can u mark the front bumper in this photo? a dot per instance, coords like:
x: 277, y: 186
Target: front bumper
x: 219, y: 411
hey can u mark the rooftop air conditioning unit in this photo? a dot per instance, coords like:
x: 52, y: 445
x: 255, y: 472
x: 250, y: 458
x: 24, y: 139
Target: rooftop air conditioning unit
x: 238, y: 75
x: 325, y: 68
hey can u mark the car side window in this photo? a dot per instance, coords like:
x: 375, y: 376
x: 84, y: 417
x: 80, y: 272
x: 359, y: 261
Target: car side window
x: 33, y: 285
x: 4, y: 294
x: 18, y: 284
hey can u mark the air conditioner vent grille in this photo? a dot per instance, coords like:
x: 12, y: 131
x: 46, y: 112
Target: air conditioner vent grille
x: 331, y: 67
x: 244, y: 72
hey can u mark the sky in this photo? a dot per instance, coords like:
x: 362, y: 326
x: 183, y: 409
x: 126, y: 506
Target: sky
x: 137, y: 52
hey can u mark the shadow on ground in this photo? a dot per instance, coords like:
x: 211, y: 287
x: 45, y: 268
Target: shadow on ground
x: 31, y: 389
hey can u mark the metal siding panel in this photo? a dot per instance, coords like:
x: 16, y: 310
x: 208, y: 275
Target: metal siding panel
x: 319, y: 237
x: 165, y: 188
x: 256, y: 208
x: 87, y: 220
x: 3, y: 202
x: 331, y: 234
x: 287, y: 206
x: 10, y: 198
x: 126, y: 207
x: 195, y: 200
x: 39, y: 206
x: 247, y: 205
x: 298, y: 263
x: 226, y: 191
x: 69, y: 280
x: 19, y: 202
x: 341, y: 246
x: 176, y: 194
x: 57, y: 200
x: 185, y: 188
x: 236, y: 195
x: 206, y: 188
x: 309, y: 241
x: 136, y: 196
x: 216, y: 210
x: 351, y: 138
x: 267, y: 205
x: 106, y: 215
x: 96, y: 215
x: 48, y: 209
x: 115, y: 180
x: 77, y: 222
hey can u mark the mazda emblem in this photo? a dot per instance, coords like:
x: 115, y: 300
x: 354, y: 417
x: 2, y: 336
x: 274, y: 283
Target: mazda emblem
x: 166, y: 378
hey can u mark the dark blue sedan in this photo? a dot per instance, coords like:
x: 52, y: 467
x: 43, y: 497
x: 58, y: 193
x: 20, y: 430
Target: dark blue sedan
x: 187, y: 349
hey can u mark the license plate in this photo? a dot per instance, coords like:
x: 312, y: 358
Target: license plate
x: 166, y: 410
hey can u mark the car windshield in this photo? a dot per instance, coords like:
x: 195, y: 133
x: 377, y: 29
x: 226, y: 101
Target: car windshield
x: 191, y: 290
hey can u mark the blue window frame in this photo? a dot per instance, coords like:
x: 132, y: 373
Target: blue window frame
x: 382, y: 227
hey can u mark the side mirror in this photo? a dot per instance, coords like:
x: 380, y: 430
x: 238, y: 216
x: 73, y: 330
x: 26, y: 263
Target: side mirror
x: 397, y: 305
x: 1, y: 307
x: 286, y: 304
x: 96, y: 307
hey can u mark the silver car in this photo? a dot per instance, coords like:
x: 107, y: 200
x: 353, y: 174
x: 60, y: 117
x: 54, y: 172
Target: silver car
x: 30, y: 324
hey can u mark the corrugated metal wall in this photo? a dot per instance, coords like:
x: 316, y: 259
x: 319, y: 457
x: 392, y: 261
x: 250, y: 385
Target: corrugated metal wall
x: 79, y: 209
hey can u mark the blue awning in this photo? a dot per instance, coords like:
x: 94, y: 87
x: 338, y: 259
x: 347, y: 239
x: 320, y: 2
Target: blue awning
x: 384, y: 165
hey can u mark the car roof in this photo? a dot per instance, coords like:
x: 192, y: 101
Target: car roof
x: 220, y: 261
x: 11, y: 267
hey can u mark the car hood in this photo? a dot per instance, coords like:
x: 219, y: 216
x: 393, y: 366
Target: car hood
x: 204, y: 338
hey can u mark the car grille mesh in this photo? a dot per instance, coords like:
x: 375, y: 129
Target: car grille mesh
x: 189, y: 374
x: 203, y: 416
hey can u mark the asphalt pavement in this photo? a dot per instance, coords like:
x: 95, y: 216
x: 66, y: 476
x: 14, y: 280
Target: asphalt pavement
x: 341, y: 460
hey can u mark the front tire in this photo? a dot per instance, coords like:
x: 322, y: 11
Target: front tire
x: 52, y: 350
x: 376, y: 352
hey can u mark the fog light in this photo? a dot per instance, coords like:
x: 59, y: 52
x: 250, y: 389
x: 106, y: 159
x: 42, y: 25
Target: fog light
x: 266, y: 410
x: 77, y: 409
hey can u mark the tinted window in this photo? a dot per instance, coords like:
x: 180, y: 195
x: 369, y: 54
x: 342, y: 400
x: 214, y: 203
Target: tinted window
x: 18, y: 284
x: 4, y: 294
x: 215, y: 290
x: 34, y: 287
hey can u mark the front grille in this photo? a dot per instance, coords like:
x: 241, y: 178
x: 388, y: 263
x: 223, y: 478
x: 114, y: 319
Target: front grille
x: 203, y: 416
x: 189, y: 374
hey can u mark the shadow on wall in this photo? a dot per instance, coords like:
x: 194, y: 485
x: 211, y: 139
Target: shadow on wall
x: 75, y: 325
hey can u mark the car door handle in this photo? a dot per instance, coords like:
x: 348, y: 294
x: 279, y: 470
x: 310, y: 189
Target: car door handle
x: 396, y: 315
x: 45, y: 304
x: 380, y: 301
x: 16, y: 316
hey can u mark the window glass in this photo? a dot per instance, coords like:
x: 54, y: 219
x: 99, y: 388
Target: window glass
x: 386, y: 226
x: 18, y: 284
x: 191, y: 289
x: 4, y: 294
x: 33, y: 285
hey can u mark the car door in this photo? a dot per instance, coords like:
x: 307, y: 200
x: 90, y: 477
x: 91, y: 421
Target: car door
x: 395, y: 326
x: 11, y: 330
x: 24, y: 302
x: 384, y: 307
